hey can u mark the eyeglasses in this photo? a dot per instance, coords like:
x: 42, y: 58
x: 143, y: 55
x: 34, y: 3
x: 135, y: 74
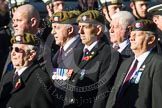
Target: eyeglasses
x: 16, y: 49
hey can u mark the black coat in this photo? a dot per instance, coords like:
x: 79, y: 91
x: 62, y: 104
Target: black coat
x: 34, y: 89
x: 91, y: 82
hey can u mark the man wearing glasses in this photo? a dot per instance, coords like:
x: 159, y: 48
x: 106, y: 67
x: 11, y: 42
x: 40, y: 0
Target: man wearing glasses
x: 26, y: 85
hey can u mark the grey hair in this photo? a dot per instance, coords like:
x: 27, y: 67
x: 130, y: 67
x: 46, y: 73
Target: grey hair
x: 35, y: 48
x: 125, y: 18
x: 149, y: 34
x: 74, y: 26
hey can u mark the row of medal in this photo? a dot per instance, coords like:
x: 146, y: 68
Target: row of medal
x: 62, y: 74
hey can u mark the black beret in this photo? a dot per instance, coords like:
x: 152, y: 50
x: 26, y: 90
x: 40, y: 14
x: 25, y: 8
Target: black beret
x: 144, y: 25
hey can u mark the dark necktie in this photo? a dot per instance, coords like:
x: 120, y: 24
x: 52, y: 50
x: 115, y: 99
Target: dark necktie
x: 128, y: 77
x: 61, y: 51
x: 125, y: 83
x: 131, y: 71
x: 85, y: 53
x: 15, y: 76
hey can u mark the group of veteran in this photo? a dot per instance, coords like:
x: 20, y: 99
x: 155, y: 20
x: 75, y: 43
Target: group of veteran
x: 87, y: 71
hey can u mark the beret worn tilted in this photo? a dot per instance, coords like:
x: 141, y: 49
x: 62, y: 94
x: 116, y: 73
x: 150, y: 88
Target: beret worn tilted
x: 26, y: 38
x: 91, y: 16
x: 144, y: 25
x: 65, y: 17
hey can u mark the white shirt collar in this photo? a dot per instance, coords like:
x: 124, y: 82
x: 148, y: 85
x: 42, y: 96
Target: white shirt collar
x: 21, y: 70
x: 142, y: 58
x: 70, y: 42
x: 91, y: 46
x: 122, y: 45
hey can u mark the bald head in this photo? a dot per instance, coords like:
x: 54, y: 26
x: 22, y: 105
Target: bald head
x: 29, y: 10
x: 26, y: 19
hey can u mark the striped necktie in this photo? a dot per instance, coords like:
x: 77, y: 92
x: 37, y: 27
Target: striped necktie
x: 125, y: 83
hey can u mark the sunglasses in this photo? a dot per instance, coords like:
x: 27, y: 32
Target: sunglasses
x: 16, y: 49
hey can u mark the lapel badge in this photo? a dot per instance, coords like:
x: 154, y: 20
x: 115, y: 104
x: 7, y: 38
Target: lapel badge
x: 92, y: 52
x: 141, y: 69
x: 82, y: 74
x: 18, y: 83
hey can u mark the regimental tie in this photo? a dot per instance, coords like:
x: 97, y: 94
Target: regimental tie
x: 131, y: 71
x: 127, y: 78
x: 85, y: 53
x: 61, y: 51
x: 125, y: 83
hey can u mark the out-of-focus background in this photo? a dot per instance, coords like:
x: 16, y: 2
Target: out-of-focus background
x: 72, y: 4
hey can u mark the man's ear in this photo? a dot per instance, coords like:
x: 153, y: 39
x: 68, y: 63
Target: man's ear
x: 32, y: 55
x: 131, y: 5
x: 151, y: 40
x: 99, y: 29
x: 33, y: 22
x: 155, y: 19
x: 70, y: 30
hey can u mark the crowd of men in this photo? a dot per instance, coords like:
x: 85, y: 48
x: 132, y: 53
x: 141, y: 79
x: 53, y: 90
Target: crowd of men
x: 86, y: 57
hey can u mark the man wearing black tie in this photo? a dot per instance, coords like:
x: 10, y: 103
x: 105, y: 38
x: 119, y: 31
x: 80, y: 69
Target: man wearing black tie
x: 138, y: 83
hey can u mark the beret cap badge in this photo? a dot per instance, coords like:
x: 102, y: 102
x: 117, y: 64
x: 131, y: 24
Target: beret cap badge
x: 56, y: 18
x: 139, y: 25
x: 86, y: 18
x: 25, y: 38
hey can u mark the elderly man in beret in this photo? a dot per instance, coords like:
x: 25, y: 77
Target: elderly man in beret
x: 26, y: 85
x: 65, y: 32
x: 139, y: 8
x: 156, y: 16
x: 138, y: 83
x: 93, y: 67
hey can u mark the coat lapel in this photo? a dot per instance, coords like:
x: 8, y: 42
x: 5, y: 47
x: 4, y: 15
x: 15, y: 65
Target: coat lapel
x: 20, y: 81
x: 91, y: 54
x: 143, y: 66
